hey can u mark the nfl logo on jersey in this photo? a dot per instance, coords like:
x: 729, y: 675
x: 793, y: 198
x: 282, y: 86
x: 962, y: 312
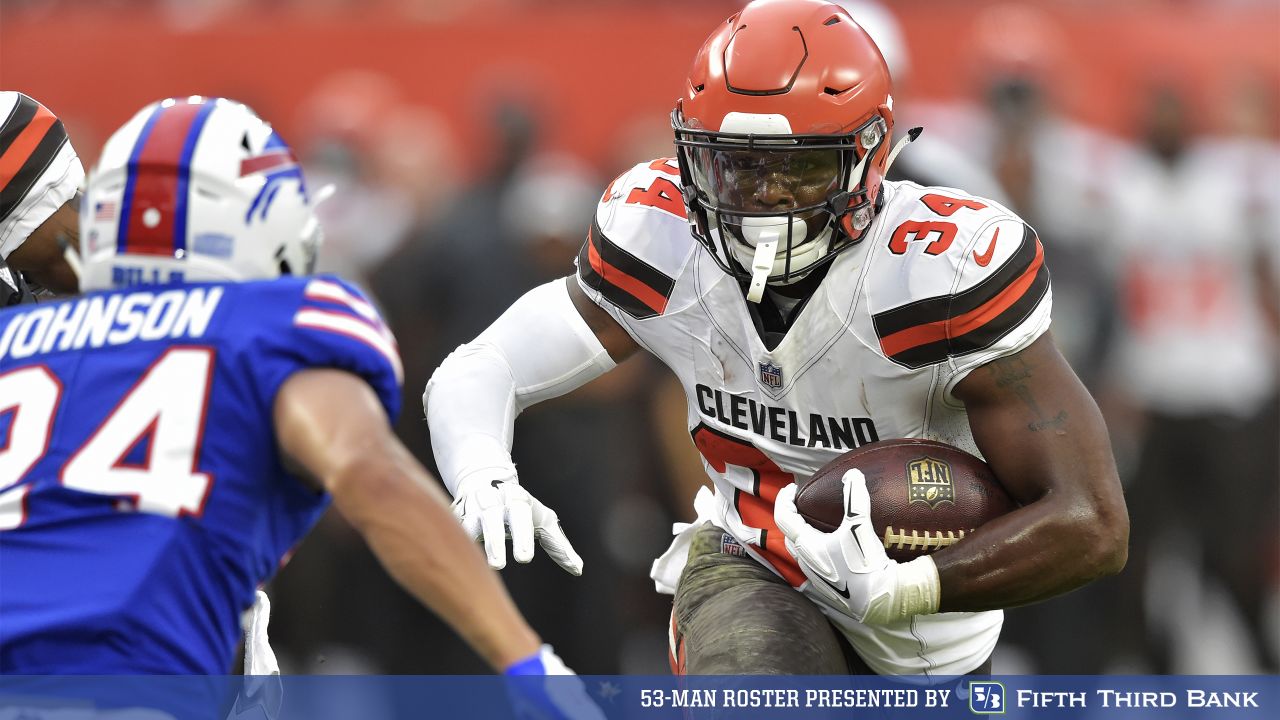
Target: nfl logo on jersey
x: 771, y: 375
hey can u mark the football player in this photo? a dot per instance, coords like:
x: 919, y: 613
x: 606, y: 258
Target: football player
x: 808, y: 307
x: 175, y: 432
x: 39, y: 177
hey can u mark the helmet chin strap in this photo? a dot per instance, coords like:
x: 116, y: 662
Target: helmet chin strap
x: 862, y: 217
x: 72, y: 255
x: 912, y: 134
x: 761, y: 268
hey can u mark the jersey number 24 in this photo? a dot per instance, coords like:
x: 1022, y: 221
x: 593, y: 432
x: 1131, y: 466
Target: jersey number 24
x: 168, y: 404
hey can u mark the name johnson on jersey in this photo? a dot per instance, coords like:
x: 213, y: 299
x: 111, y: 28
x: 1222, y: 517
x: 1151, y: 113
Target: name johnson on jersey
x: 783, y: 425
x: 111, y: 320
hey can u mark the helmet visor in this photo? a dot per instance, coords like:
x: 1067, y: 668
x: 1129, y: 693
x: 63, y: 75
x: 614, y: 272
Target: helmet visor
x: 766, y: 181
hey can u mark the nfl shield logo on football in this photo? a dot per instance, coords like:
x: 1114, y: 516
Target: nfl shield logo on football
x: 770, y: 375
x: 929, y: 481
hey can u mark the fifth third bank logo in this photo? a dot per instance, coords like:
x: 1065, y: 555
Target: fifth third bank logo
x: 986, y: 698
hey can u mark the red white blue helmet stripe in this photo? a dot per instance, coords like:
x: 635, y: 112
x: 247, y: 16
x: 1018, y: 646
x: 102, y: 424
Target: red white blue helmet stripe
x: 153, y: 211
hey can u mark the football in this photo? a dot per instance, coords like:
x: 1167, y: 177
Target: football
x: 925, y: 495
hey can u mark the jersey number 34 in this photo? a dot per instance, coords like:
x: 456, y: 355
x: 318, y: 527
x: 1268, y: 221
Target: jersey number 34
x: 922, y: 229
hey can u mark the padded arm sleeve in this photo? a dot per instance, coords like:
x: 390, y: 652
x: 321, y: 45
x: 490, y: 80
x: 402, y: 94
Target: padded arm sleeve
x: 539, y: 349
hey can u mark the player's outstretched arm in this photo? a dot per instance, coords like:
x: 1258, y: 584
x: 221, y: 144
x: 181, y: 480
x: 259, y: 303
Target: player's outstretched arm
x: 331, y: 427
x: 549, y: 342
x: 1044, y: 437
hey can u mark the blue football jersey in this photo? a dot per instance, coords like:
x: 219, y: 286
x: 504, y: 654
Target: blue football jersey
x: 142, y: 496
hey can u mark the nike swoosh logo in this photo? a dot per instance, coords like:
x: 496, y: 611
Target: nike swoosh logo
x: 854, y: 531
x: 984, y: 259
x: 841, y: 591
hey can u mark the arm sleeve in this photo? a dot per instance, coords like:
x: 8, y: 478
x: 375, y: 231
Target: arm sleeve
x: 539, y: 349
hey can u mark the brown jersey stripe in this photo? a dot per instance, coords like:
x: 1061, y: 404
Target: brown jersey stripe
x: 27, y: 155
x: 633, y: 266
x: 959, y: 324
x: 945, y: 307
x: 987, y: 335
x: 16, y: 121
x: 23, y: 137
x: 614, y: 294
x: 637, y: 288
x: 1004, y: 314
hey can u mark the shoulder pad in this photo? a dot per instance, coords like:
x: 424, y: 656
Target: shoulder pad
x: 639, y: 240
x: 326, y: 323
x: 39, y: 170
x: 956, y: 274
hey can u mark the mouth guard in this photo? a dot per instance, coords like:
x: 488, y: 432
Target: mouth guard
x: 762, y: 266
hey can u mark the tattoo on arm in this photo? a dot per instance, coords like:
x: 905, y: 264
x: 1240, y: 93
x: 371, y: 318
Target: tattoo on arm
x: 1011, y: 373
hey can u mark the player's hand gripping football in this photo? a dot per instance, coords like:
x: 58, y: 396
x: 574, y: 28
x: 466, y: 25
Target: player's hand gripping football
x: 849, y: 567
x: 495, y: 508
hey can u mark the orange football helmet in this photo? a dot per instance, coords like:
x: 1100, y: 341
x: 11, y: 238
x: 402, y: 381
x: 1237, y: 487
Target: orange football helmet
x: 783, y: 138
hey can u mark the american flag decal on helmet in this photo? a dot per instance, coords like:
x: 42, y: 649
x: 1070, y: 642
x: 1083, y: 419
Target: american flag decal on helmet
x: 104, y: 210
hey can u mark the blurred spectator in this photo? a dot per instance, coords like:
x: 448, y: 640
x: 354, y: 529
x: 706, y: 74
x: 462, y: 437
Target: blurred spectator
x: 1053, y: 171
x: 1197, y: 359
x: 519, y: 225
x: 359, y: 137
x: 437, y: 289
x: 457, y: 270
x: 934, y: 159
x: 550, y: 200
x: 1251, y: 150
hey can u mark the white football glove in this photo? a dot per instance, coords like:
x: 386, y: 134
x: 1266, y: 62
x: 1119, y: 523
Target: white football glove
x: 849, y: 567
x: 493, y: 508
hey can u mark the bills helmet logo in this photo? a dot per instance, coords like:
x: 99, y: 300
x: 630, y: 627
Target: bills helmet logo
x: 771, y: 375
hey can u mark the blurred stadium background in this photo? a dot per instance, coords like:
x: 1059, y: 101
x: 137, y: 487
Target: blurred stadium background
x: 469, y: 138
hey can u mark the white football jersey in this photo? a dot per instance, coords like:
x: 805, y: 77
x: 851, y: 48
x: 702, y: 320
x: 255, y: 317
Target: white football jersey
x: 942, y: 283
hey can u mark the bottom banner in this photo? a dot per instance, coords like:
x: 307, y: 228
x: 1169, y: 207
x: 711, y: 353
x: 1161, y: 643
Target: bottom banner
x: 625, y: 697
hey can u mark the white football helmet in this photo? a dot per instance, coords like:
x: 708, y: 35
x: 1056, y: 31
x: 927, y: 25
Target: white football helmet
x: 191, y: 190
